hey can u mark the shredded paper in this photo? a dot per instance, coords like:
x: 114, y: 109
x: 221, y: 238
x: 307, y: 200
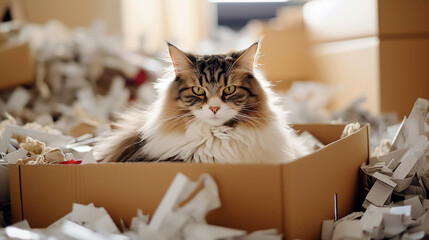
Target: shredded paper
x: 397, y: 182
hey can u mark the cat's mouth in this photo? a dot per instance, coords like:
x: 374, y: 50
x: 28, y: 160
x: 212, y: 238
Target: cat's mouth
x: 215, y: 120
x: 218, y: 119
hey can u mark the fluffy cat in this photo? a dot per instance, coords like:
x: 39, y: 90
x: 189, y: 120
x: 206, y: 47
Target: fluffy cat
x: 215, y: 109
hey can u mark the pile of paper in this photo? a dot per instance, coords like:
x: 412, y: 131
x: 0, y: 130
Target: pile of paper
x: 34, y: 145
x: 82, y: 77
x: 308, y: 101
x: 398, y: 181
x: 169, y: 222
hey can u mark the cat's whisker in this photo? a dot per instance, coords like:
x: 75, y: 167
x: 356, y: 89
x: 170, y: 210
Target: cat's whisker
x: 177, y: 109
x: 251, y: 122
x: 250, y: 105
x: 176, y: 118
x: 249, y: 110
x: 252, y: 117
x: 247, y: 118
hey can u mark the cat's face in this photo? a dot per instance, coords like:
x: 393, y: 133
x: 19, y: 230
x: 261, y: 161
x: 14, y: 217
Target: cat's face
x: 217, y: 89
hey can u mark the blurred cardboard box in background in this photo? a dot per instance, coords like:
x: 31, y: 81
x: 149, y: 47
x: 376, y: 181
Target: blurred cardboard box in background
x: 285, y: 50
x: 333, y: 20
x: 285, y: 56
x: 16, y: 60
x: 16, y: 65
x: 140, y: 23
x: 375, y: 48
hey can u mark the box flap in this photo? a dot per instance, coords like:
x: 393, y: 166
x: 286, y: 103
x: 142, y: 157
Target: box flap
x: 326, y: 133
x: 311, y: 182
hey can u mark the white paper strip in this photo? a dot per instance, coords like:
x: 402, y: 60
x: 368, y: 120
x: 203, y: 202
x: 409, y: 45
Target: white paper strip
x: 327, y: 229
x: 198, y: 231
x: 169, y: 201
x: 348, y: 230
x: 409, y: 159
x: 13, y: 157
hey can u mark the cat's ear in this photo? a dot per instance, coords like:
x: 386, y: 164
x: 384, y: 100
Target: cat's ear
x: 247, y: 58
x: 180, y: 61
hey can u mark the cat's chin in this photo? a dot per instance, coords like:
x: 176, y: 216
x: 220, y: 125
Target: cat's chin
x: 214, y: 121
x: 218, y: 119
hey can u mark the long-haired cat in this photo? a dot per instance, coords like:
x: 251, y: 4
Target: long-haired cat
x: 215, y: 109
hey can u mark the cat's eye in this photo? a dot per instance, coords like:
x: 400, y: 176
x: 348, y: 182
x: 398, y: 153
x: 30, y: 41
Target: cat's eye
x: 229, y: 90
x: 198, y: 91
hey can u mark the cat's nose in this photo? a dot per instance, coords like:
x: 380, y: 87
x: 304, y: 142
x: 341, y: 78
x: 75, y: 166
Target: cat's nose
x: 214, y: 109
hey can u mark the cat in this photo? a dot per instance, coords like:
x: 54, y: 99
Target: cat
x: 213, y: 109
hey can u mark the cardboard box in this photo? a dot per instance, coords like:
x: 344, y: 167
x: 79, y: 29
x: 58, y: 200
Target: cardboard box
x: 333, y: 20
x: 284, y: 56
x: 404, y: 73
x: 378, y: 48
x: 293, y: 197
x: 16, y: 65
x: 285, y: 50
x: 89, y: 11
x: 392, y: 73
x: 352, y: 65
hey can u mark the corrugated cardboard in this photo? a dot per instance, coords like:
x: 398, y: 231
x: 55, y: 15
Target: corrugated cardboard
x: 294, y: 197
x: 333, y: 20
x: 392, y: 73
x: 16, y: 65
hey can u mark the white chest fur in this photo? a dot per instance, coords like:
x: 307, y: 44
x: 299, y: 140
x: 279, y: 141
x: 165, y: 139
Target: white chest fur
x: 221, y: 144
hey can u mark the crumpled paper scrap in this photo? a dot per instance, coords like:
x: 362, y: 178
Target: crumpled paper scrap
x: 40, y: 153
x: 27, y: 145
x: 350, y: 128
x: 33, y: 147
x: 171, y: 220
x: 383, y: 148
